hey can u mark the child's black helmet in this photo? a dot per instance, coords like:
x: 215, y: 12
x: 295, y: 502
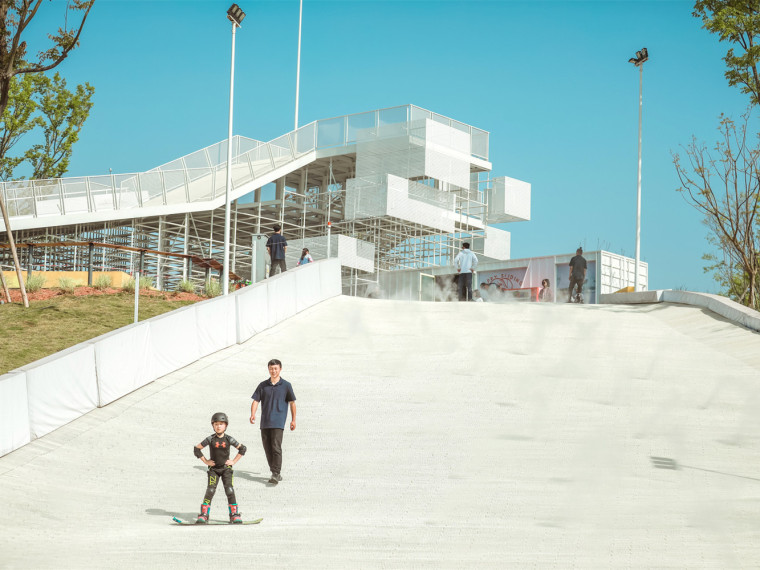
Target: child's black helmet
x: 220, y: 417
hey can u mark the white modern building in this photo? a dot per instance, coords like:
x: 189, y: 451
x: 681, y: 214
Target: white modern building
x: 390, y: 189
x: 383, y: 191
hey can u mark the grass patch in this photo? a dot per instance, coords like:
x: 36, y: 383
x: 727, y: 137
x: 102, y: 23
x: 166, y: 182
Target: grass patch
x: 35, y: 282
x: 67, y: 285
x: 212, y: 288
x: 186, y: 286
x: 48, y: 326
x: 102, y: 282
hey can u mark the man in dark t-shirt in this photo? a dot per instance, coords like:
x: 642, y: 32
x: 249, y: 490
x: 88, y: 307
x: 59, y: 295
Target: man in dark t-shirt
x: 276, y: 247
x: 577, y: 273
x: 274, y: 394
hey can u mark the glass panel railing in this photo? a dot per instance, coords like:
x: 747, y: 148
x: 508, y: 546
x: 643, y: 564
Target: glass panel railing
x: 360, y: 126
x: 75, y: 196
x: 331, y: 132
x: 202, y: 174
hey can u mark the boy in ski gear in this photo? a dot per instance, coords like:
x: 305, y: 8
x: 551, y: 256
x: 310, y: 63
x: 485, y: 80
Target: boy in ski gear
x: 219, y: 466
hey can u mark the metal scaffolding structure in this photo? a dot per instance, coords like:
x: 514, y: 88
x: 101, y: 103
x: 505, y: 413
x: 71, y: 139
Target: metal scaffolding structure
x: 390, y: 189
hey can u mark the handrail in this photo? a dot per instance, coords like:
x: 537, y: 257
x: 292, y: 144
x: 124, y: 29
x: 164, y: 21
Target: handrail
x: 194, y: 175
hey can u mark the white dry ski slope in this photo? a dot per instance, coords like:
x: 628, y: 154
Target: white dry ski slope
x: 429, y: 436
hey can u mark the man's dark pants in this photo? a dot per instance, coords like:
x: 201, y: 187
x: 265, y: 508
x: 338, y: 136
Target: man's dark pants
x: 573, y: 282
x: 272, y: 440
x: 465, y: 286
x: 275, y: 264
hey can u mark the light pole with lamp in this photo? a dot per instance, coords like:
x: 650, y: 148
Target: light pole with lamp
x: 234, y: 15
x: 638, y: 61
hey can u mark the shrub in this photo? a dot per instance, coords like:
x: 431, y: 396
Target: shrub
x: 102, y: 282
x: 67, y: 285
x: 146, y: 282
x: 213, y: 288
x: 35, y: 282
x: 128, y: 285
x: 186, y: 286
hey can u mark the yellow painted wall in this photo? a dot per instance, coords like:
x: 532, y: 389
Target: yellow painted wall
x: 118, y: 278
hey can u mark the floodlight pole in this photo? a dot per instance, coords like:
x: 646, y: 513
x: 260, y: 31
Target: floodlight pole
x: 226, y: 264
x: 638, y: 61
x: 298, y: 65
x: 638, y: 190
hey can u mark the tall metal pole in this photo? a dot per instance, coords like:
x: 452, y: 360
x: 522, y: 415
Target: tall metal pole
x: 226, y: 264
x: 638, y: 191
x: 298, y: 65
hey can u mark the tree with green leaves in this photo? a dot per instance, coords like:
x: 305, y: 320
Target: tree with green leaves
x: 723, y: 183
x: 736, y: 22
x: 44, y: 106
x: 15, y: 16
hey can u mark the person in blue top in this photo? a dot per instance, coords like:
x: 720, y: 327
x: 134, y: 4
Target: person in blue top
x: 274, y: 394
x: 305, y: 257
x: 276, y: 247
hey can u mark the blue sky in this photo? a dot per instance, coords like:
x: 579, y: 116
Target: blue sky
x: 550, y: 80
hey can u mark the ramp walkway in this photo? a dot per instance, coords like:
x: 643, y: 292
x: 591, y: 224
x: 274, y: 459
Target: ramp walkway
x: 428, y: 436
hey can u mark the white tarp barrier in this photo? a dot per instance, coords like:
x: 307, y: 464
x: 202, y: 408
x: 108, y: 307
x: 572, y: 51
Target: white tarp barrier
x: 14, y: 412
x: 216, y: 324
x: 329, y: 278
x: 252, y: 311
x: 281, y: 296
x: 43, y: 396
x: 60, y: 388
x: 124, y: 361
x: 308, y: 286
x: 173, y: 340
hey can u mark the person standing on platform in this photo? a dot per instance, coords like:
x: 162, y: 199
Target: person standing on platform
x: 466, y: 262
x: 276, y: 247
x: 274, y: 394
x: 577, y: 274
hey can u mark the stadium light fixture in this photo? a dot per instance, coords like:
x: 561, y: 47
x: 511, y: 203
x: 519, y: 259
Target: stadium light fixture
x: 234, y: 15
x: 641, y: 56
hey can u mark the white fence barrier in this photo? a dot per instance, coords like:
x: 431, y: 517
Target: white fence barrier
x: 14, y: 412
x: 49, y: 393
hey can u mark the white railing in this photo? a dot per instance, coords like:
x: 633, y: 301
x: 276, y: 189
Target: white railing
x: 201, y: 175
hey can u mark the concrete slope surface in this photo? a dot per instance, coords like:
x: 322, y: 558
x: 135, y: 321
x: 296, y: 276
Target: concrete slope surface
x: 428, y: 436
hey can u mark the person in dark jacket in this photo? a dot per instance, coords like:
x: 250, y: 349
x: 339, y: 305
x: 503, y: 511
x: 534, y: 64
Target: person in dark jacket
x: 275, y: 394
x: 577, y: 274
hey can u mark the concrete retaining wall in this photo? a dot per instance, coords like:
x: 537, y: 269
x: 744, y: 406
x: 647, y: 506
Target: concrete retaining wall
x: 723, y: 306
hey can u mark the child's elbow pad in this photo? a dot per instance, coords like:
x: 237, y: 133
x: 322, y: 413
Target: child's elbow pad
x: 198, y: 453
x: 241, y: 449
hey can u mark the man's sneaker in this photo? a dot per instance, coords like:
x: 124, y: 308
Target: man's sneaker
x: 278, y: 477
x: 274, y: 479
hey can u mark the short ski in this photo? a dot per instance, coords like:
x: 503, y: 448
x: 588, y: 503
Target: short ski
x: 193, y: 523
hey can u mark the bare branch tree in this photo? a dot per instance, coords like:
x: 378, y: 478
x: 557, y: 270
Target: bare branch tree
x: 724, y: 184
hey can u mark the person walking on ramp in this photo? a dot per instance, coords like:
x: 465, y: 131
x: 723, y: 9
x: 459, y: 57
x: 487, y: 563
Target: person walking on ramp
x: 466, y: 262
x: 219, y: 466
x: 275, y: 394
x: 277, y: 245
x: 577, y: 275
